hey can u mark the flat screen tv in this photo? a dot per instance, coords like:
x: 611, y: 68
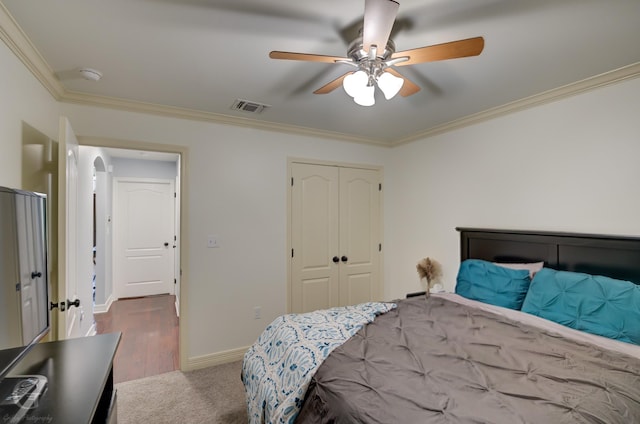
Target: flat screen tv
x: 24, y: 284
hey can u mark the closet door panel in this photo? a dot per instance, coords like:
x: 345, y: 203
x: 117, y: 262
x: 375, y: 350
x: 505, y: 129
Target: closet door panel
x: 359, y: 235
x: 314, y: 231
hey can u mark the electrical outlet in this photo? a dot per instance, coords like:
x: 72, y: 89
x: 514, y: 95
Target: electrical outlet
x: 257, y: 312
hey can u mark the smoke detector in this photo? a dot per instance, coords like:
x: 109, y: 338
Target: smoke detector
x: 90, y: 74
x: 249, y: 106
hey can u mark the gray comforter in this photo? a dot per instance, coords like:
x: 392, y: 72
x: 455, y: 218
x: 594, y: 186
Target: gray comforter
x: 437, y: 361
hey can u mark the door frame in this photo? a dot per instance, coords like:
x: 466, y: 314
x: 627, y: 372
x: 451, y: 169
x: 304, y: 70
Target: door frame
x: 183, y: 229
x: 292, y: 160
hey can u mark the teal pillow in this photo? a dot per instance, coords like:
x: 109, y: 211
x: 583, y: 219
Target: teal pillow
x: 594, y: 304
x: 493, y: 284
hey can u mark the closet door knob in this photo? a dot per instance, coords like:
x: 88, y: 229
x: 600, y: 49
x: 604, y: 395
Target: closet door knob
x: 336, y: 259
x: 344, y: 259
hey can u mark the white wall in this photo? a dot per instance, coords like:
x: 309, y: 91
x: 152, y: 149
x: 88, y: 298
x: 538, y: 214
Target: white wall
x: 571, y: 165
x: 139, y: 168
x: 237, y: 191
x: 22, y: 99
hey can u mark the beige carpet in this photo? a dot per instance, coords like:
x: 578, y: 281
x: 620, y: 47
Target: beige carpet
x: 211, y: 395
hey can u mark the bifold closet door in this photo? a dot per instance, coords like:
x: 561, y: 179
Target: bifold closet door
x: 335, y: 236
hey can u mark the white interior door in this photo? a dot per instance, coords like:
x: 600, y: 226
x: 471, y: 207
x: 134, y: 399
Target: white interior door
x: 359, y: 236
x: 177, y: 274
x: 144, y: 222
x: 68, y: 154
x: 314, y: 232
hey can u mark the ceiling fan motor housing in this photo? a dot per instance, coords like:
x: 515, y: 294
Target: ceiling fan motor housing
x: 374, y: 61
x: 357, y: 52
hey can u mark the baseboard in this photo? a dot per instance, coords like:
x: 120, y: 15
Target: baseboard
x: 103, y: 309
x: 217, y: 358
x: 92, y: 331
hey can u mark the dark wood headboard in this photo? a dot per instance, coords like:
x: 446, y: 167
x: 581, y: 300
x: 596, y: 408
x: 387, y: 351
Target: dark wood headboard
x: 613, y: 256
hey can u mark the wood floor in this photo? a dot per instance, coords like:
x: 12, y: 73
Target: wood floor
x: 149, y: 343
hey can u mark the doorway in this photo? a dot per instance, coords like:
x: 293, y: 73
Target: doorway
x: 144, y: 320
x: 100, y: 248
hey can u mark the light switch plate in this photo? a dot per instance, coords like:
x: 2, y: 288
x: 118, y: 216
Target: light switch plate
x: 212, y: 241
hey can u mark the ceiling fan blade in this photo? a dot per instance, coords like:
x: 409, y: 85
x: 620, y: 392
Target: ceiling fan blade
x: 444, y: 51
x: 328, y: 88
x: 306, y: 56
x: 379, y: 16
x: 408, y: 88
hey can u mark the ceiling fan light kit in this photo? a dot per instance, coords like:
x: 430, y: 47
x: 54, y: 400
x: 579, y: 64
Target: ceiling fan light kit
x: 360, y: 86
x: 375, y: 66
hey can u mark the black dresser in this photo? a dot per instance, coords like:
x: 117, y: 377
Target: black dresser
x: 79, y: 376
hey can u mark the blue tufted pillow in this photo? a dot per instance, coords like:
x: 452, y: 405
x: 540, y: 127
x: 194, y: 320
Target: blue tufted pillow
x: 595, y: 304
x: 493, y: 284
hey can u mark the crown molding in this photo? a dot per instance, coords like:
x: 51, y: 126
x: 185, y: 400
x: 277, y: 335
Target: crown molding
x: 555, y: 94
x: 569, y: 90
x: 23, y: 48
x: 198, y: 115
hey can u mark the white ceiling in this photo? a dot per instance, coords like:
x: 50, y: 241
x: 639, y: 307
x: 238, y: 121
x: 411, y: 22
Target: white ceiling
x: 201, y: 55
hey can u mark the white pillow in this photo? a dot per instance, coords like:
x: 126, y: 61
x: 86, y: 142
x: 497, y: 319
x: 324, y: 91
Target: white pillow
x: 532, y: 267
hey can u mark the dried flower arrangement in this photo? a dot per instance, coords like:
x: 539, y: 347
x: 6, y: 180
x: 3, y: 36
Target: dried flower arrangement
x: 429, y: 270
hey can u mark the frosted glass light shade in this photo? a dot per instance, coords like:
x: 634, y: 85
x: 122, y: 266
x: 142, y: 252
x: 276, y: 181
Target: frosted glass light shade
x: 389, y: 84
x: 354, y: 83
x: 366, y: 97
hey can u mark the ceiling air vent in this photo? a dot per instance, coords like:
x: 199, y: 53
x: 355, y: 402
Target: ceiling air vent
x: 249, y: 106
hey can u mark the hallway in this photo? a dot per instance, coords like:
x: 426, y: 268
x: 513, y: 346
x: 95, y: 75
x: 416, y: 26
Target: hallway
x: 149, y: 344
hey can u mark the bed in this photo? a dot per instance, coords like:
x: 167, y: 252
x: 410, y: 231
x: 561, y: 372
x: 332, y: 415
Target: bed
x: 452, y: 358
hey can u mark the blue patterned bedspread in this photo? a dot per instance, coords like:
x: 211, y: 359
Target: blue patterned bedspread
x: 278, y: 367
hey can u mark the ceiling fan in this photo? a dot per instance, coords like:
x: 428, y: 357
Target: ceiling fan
x: 374, y: 57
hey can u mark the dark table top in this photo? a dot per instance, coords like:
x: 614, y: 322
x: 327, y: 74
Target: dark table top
x: 77, y: 371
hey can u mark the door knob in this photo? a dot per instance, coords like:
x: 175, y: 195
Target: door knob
x: 166, y: 245
x: 344, y: 259
x: 35, y: 275
x: 75, y: 303
x: 336, y: 259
